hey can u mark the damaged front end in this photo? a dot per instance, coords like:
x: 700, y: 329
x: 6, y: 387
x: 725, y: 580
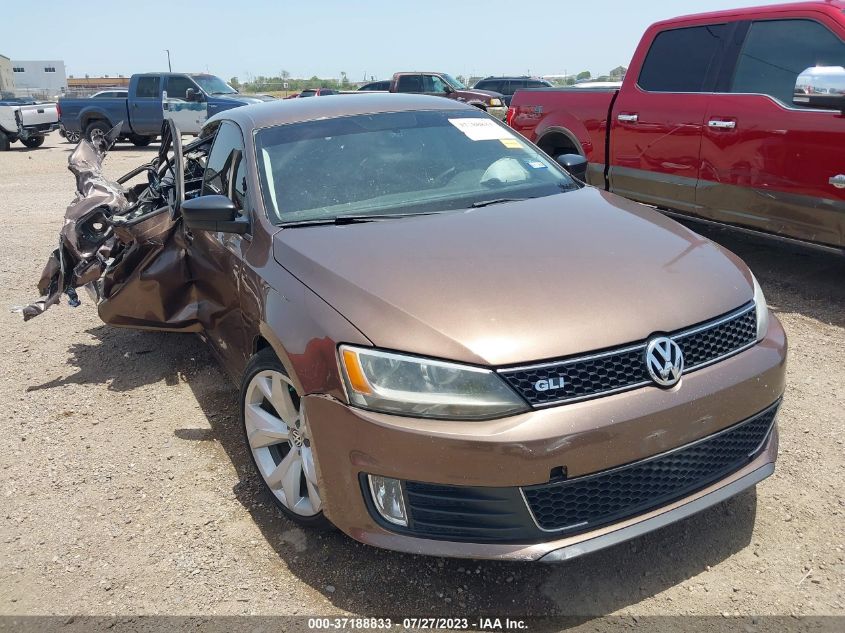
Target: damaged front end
x: 125, y: 244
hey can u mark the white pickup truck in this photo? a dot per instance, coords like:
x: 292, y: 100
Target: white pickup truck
x: 27, y: 122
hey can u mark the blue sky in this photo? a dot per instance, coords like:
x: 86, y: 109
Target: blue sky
x: 325, y: 37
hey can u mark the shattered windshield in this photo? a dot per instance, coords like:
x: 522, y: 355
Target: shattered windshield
x: 402, y: 162
x: 213, y: 85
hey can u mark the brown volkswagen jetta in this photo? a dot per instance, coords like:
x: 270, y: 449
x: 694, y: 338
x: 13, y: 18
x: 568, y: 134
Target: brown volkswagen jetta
x: 445, y: 343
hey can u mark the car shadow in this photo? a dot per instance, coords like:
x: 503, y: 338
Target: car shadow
x: 794, y: 278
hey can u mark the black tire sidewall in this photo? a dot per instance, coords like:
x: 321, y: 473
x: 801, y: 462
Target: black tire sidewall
x: 266, y: 360
x: 102, y: 125
x: 4, y: 142
x: 39, y: 141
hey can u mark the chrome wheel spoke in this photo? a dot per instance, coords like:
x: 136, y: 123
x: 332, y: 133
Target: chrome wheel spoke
x: 282, y: 475
x: 314, y: 496
x: 263, y: 428
x: 291, y: 480
x: 308, y: 465
x: 282, y: 401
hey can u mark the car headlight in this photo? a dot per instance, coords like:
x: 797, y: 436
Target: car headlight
x: 495, y: 103
x: 762, y: 310
x: 420, y: 387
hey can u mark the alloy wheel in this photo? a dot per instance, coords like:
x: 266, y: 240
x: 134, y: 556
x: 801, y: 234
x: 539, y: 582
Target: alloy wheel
x: 280, y: 441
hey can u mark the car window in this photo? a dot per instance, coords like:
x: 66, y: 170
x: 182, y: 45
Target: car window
x: 536, y: 84
x: 489, y: 85
x: 307, y: 93
x: 147, y: 87
x: 398, y: 162
x: 409, y: 83
x: 225, y: 169
x: 433, y: 83
x: 775, y: 52
x: 680, y: 60
x: 177, y: 87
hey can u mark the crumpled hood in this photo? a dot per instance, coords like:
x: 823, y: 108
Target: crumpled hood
x: 517, y: 282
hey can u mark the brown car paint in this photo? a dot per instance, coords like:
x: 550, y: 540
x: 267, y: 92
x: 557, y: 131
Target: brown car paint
x: 516, y: 283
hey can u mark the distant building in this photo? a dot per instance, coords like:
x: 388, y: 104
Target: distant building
x: 40, y: 79
x: 99, y: 83
x: 618, y: 73
x: 7, y: 77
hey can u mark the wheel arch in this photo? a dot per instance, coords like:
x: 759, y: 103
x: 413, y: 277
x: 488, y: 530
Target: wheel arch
x: 87, y: 117
x: 303, y: 331
x: 560, y: 140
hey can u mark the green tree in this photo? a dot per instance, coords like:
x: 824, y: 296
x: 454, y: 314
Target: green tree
x: 585, y: 74
x: 235, y: 83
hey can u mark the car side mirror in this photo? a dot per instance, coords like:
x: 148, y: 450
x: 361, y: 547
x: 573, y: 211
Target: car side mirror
x: 193, y: 95
x: 821, y: 87
x: 447, y: 89
x: 575, y: 164
x: 213, y: 213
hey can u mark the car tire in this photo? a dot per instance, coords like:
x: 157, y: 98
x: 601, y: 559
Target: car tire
x: 33, y: 141
x: 279, y: 440
x: 4, y: 142
x: 97, y: 130
x: 141, y: 141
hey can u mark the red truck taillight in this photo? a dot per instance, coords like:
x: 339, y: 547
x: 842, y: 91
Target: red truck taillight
x: 510, y: 115
x: 59, y: 109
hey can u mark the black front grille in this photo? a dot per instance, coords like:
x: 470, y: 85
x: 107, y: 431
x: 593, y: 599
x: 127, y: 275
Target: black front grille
x: 540, y: 513
x: 588, y: 502
x: 463, y: 513
x: 616, y: 370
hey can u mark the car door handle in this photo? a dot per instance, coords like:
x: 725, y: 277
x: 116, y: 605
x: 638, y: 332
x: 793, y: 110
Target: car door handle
x: 838, y: 181
x: 627, y: 118
x: 721, y: 125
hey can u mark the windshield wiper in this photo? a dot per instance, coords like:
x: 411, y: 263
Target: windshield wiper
x: 487, y: 203
x: 340, y: 220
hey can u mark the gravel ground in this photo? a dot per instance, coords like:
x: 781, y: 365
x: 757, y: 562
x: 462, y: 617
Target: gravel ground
x: 126, y: 488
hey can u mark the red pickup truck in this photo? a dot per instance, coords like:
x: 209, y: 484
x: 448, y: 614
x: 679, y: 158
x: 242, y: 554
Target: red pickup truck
x: 735, y: 117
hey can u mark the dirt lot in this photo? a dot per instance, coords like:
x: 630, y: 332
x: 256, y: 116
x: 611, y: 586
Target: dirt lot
x: 126, y: 488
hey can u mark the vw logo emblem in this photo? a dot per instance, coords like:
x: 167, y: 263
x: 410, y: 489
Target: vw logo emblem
x: 664, y: 361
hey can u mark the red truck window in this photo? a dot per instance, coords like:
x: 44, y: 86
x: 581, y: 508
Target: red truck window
x: 777, y: 51
x: 409, y: 83
x: 682, y: 60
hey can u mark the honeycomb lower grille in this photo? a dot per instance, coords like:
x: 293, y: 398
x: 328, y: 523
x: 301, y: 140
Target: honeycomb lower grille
x: 616, y: 370
x: 588, y: 502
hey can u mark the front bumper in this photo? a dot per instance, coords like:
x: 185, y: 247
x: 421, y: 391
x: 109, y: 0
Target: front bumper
x: 584, y: 438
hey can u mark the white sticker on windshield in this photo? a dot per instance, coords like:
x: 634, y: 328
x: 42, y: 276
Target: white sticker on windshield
x: 481, y: 129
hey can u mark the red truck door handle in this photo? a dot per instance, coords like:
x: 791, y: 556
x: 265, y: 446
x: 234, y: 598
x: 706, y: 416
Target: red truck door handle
x: 721, y: 125
x: 627, y: 118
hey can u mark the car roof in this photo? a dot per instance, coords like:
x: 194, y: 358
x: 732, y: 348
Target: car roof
x: 513, y: 77
x: 270, y: 113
